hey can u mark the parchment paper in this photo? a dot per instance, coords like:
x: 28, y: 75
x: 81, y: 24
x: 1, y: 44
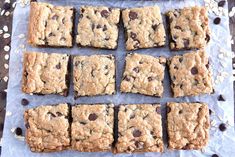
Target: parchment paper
x: 221, y: 143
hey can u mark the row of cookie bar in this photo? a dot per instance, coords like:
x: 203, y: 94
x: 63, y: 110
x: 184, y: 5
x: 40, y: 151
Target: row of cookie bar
x: 98, y: 27
x: 90, y: 127
x: 95, y: 75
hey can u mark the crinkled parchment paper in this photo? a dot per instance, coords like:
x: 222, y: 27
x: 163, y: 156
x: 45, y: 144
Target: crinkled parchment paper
x: 221, y: 143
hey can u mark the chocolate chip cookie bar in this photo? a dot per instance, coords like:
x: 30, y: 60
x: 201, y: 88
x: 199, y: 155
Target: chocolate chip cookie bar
x: 92, y: 127
x: 139, y: 129
x: 187, y: 125
x: 45, y: 73
x: 47, y: 128
x: 189, y: 28
x: 94, y: 75
x: 144, y: 27
x: 190, y: 74
x: 143, y: 74
x: 98, y: 27
x: 50, y: 25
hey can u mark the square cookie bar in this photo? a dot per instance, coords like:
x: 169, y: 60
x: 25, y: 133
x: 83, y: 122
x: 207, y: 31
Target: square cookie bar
x: 94, y: 75
x: 189, y: 28
x: 98, y: 27
x: 45, y: 73
x: 47, y: 128
x: 92, y: 127
x: 187, y: 125
x: 190, y: 74
x: 144, y: 27
x: 50, y: 25
x: 143, y: 74
x: 139, y: 129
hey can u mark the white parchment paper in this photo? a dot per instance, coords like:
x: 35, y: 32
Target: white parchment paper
x: 221, y: 143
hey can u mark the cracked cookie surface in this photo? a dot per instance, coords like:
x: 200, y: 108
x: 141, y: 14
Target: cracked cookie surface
x: 45, y: 73
x: 47, y: 128
x: 50, y: 25
x: 98, y: 27
x: 144, y: 27
x: 143, y: 74
x: 94, y: 75
x: 92, y: 127
x: 190, y: 74
x: 139, y: 128
x: 189, y: 28
x: 187, y: 125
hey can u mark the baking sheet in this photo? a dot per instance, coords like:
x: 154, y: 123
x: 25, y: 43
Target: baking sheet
x: 221, y: 143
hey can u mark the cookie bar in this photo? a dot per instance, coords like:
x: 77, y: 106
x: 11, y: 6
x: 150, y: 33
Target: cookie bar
x: 47, y: 128
x: 50, y: 25
x: 189, y: 28
x: 45, y: 73
x: 139, y: 129
x: 94, y: 75
x: 187, y: 125
x: 190, y: 74
x: 98, y: 27
x: 92, y: 127
x: 144, y: 27
x: 143, y: 74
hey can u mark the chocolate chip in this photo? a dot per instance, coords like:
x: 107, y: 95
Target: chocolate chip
x: 186, y: 43
x: 7, y: 6
x: 104, y: 13
x: 140, y: 62
x: 51, y: 34
x: 27, y: 125
x: 92, y: 117
x: 51, y: 114
x: 180, y: 59
x: 126, y: 78
x: 139, y: 144
x: 136, y: 133
x: 83, y: 123
x: 136, y: 69
x: 158, y: 110
x: 105, y: 28
x: 208, y: 65
x: 155, y: 26
x: 82, y: 10
x: 59, y: 114
x: 222, y: 127
x: 168, y: 109
x: 207, y: 38
x: 217, y: 20
x: 24, y: 102
x: 150, y: 79
x: 221, y: 3
x: 178, y: 27
x: 133, y: 35
x: 194, y: 71
x: 133, y: 15
x: 132, y: 116
x: 55, y: 17
x: 215, y: 155
x: 180, y: 111
x: 58, y: 66
x: 77, y: 63
x: 18, y: 131
x: 221, y: 98
x: 98, y: 26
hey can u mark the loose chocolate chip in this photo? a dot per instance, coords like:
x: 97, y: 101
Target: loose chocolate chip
x: 158, y: 110
x: 133, y: 15
x: 186, y: 43
x: 58, y: 66
x: 92, y: 117
x: 207, y: 37
x: 222, y: 127
x: 221, y: 3
x: 136, y: 133
x: 27, y: 125
x: 155, y: 26
x: 150, y: 79
x: 168, y: 109
x: 215, y: 155
x: 133, y: 35
x: 210, y: 111
x: 98, y: 26
x: 180, y: 59
x: 194, y: 71
x: 18, y: 131
x: 217, y: 20
x: 105, y: 28
x: 55, y: 17
x: 104, y: 13
x: 7, y: 6
x: 136, y: 69
x: 24, y: 102
x: 221, y: 98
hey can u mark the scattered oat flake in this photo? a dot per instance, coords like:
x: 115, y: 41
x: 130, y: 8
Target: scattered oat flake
x: 6, y: 48
x: 5, y: 78
x: 21, y: 36
x: 8, y: 113
x: 6, y: 56
x: 6, y: 35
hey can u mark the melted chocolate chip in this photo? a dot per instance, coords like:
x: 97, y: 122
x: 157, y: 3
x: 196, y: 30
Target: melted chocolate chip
x: 104, y: 13
x: 217, y: 20
x: 158, y: 110
x: 194, y: 71
x: 168, y: 109
x: 18, y: 131
x: 133, y: 15
x: 92, y: 117
x: 7, y: 6
x: 136, y: 69
x: 24, y: 102
x: 221, y: 3
x: 221, y: 98
x: 136, y: 133
x: 155, y: 26
x: 58, y: 66
x: 222, y: 127
x: 215, y: 155
x: 133, y: 35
